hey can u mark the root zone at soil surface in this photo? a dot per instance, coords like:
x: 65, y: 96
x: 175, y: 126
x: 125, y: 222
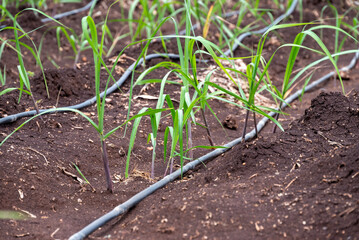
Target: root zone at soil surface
x: 302, y: 183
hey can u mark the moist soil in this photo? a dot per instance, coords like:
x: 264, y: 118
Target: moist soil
x: 298, y: 184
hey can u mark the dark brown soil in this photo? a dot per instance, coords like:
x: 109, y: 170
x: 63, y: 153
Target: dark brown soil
x: 298, y: 184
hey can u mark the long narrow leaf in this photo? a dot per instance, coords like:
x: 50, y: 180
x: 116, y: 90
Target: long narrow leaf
x: 132, y: 139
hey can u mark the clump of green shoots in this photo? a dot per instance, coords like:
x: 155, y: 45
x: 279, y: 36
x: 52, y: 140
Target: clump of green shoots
x: 90, y: 32
x: 255, y: 78
x: 77, y: 43
x: 152, y: 15
x: 23, y: 73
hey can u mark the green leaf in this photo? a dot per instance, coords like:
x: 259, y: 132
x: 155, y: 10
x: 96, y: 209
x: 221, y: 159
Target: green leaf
x: 7, y: 90
x: 133, y: 138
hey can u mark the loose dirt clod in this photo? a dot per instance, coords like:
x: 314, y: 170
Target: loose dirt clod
x: 230, y: 122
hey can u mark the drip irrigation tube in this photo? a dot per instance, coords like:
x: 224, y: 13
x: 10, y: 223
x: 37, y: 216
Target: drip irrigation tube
x: 14, y: 117
x: 120, y: 209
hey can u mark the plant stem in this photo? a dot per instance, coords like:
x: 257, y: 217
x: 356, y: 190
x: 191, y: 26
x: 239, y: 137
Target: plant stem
x: 245, y: 127
x: 76, y: 60
x: 35, y: 104
x: 171, y: 167
x: 190, y: 143
x: 209, y: 135
x: 255, y: 124
x: 275, y: 125
x: 36, y: 107
x: 276, y: 118
x: 106, y: 166
x: 153, y: 160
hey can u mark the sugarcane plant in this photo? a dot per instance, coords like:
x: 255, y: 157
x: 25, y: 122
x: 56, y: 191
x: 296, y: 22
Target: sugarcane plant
x: 151, y: 15
x: 90, y: 32
x: 256, y: 80
x: 78, y: 42
x: 25, y: 84
x: 184, y: 114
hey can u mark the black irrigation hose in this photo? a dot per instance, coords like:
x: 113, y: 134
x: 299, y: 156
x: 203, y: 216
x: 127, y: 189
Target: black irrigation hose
x: 120, y: 209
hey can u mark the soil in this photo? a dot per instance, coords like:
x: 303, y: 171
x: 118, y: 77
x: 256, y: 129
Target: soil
x: 298, y: 184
